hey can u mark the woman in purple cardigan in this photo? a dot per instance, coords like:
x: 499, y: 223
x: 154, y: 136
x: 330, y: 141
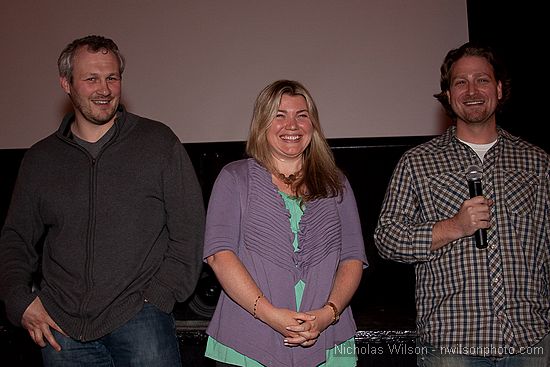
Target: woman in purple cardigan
x: 284, y: 239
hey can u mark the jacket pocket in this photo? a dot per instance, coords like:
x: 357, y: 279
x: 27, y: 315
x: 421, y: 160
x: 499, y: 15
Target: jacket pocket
x: 520, y: 188
x: 448, y: 192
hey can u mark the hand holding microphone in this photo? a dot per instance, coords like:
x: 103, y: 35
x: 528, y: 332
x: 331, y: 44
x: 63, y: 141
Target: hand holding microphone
x: 473, y: 175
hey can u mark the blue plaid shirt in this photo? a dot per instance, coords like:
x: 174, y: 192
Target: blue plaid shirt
x: 482, y: 302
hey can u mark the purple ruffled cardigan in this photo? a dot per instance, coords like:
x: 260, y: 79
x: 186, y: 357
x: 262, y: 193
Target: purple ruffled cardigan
x: 247, y: 216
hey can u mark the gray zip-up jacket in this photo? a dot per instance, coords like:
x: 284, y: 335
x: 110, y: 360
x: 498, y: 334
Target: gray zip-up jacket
x: 107, y: 233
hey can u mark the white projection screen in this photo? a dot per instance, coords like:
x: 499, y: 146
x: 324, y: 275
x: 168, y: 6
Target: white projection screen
x: 371, y: 65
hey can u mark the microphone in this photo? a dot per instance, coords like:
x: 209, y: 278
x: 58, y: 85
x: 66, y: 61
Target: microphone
x: 473, y: 175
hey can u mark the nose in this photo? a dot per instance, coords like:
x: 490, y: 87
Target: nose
x: 291, y: 123
x: 104, y: 88
x: 472, y: 88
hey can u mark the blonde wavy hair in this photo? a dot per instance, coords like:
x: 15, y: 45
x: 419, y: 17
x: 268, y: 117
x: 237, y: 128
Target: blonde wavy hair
x: 320, y: 176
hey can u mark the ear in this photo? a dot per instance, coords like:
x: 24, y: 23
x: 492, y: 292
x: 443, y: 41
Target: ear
x: 65, y: 84
x: 499, y: 90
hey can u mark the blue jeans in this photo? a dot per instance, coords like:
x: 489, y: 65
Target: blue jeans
x: 536, y: 356
x: 148, y: 340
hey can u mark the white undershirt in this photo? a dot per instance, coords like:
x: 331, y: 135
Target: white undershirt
x: 480, y: 149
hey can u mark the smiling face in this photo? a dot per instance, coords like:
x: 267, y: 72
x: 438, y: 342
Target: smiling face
x: 474, y: 92
x: 95, y: 88
x: 290, y: 132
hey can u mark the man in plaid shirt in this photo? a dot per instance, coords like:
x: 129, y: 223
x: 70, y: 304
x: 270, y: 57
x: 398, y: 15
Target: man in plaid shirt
x: 475, y: 306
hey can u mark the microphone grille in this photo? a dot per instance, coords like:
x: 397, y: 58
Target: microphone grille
x: 474, y: 172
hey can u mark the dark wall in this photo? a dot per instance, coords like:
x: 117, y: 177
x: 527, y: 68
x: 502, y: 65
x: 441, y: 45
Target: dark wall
x: 514, y: 29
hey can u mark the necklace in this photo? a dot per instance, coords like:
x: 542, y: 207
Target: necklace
x: 290, y: 179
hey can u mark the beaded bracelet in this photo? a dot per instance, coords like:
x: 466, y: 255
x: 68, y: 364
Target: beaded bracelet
x: 256, y: 305
x: 336, y: 315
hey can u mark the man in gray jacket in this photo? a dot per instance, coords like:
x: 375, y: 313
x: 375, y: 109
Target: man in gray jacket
x: 109, y: 207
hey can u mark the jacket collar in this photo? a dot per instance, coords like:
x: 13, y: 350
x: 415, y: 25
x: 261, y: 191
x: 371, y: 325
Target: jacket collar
x: 449, y: 136
x: 64, y: 130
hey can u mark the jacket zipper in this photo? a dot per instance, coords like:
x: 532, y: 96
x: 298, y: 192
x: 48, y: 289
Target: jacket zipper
x: 89, y: 247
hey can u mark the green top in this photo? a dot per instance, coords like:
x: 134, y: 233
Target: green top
x: 223, y: 353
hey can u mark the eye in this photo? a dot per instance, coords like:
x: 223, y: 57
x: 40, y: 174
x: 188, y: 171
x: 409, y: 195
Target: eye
x: 113, y: 78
